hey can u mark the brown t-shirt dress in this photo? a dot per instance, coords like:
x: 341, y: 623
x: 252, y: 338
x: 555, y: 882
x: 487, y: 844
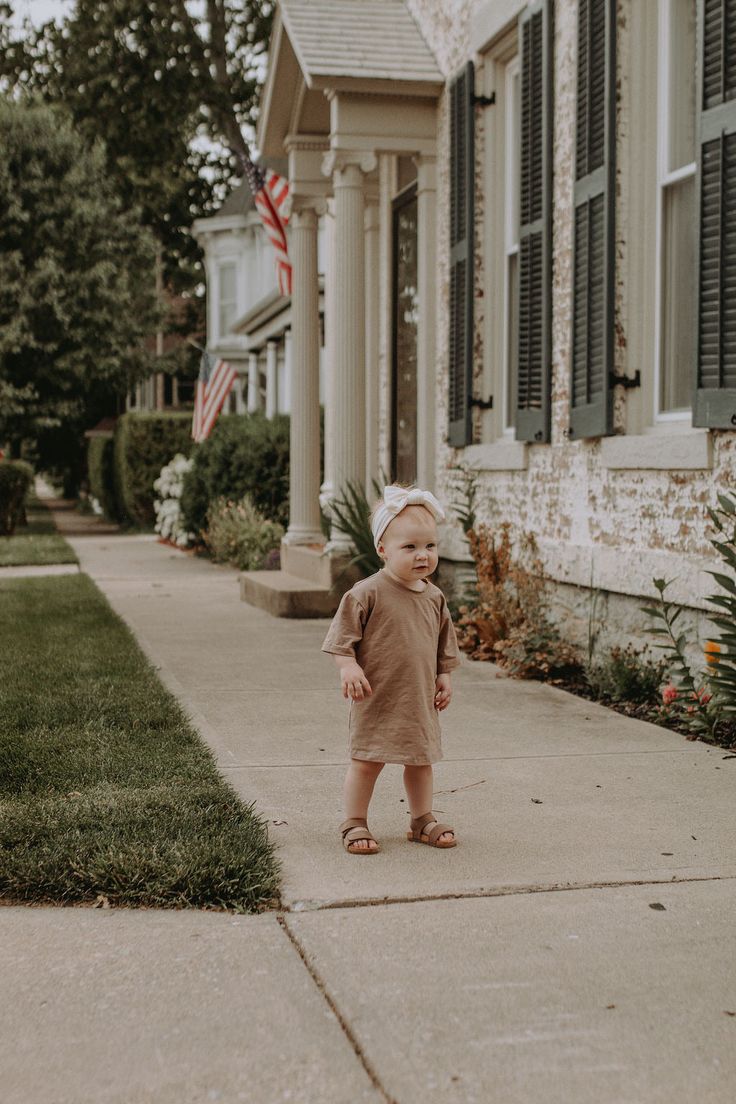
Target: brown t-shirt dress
x: 402, y: 639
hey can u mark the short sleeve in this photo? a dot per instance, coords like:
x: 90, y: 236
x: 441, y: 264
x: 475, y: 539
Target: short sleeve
x: 448, y: 653
x: 347, y: 627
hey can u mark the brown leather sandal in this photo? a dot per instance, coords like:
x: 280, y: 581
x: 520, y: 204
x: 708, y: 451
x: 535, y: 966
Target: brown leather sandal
x: 354, y: 830
x: 419, y: 830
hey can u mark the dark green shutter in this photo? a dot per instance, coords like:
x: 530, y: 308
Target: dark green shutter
x: 591, y: 386
x: 534, y: 353
x: 462, y: 191
x: 715, y: 397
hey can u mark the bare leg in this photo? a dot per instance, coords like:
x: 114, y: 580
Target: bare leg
x: 358, y: 791
x: 418, y: 783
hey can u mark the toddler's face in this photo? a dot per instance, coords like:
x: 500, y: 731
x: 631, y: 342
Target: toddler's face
x: 409, y: 544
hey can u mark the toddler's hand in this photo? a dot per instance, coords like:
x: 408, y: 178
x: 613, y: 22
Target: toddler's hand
x: 443, y: 692
x: 354, y: 683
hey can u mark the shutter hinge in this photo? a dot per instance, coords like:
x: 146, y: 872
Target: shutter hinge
x: 484, y: 404
x: 484, y: 101
x: 624, y: 381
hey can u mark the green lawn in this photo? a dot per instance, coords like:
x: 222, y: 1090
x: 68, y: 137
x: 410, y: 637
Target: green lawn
x: 36, y: 543
x: 105, y: 788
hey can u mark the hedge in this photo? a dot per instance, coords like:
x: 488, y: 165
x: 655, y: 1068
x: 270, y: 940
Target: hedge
x: 16, y: 478
x: 246, y: 453
x: 143, y: 444
x: 101, y: 474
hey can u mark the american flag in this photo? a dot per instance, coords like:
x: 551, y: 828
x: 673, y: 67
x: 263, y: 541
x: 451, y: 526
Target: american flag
x: 213, y: 387
x: 271, y: 194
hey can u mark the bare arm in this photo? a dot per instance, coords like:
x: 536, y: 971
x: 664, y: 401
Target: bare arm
x: 352, y: 679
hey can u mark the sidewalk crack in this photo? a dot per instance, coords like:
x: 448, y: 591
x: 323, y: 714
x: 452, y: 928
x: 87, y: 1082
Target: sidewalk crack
x: 347, y: 1030
x: 481, y: 894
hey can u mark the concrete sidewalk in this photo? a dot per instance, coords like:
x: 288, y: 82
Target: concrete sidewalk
x: 575, y: 947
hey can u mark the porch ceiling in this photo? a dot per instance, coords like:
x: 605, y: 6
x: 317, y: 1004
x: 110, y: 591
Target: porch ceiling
x: 342, y: 45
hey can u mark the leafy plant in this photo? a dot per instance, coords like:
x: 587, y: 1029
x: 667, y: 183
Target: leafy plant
x: 627, y: 675
x: 237, y: 533
x: 464, y: 482
x: 705, y: 701
x: 352, y: 513
x: 509, y: 622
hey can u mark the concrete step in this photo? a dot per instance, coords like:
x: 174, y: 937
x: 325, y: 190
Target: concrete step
x: 310, y: 561
x: 286, y: 595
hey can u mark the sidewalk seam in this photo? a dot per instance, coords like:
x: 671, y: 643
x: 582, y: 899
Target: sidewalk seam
x: 349, y: 1034
x: 483, y: 894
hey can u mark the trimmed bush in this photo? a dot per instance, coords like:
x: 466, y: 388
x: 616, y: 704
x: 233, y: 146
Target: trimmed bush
x: 101, y: 474
x: 245, y: 454
x: 144, y: 443
x: 16, y: 478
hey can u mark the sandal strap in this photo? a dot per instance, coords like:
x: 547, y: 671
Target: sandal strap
x: 352, y: 835
x: 438, y: 829
x: 419, y: 822
x: 353, y: 822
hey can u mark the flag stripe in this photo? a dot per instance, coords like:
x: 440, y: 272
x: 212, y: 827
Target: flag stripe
x: 213, y: 387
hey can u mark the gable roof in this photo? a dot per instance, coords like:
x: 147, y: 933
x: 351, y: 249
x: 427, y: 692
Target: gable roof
x: 358, y: 39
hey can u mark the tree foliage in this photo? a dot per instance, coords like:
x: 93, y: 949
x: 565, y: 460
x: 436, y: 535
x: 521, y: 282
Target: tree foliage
x: 77, y: 291
x: 167, y: 85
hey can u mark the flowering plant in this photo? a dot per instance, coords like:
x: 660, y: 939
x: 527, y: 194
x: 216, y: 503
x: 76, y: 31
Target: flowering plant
x: 167, y: 505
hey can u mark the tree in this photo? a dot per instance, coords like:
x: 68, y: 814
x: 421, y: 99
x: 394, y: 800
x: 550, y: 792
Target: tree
x: 152, y: 79
x: 77, y: 288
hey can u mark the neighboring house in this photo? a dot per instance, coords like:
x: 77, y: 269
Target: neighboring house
x: 248, y: 320
x: 532, y: 270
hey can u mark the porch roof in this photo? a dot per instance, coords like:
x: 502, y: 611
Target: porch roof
x: 377, y: 39
x: 369, y: 46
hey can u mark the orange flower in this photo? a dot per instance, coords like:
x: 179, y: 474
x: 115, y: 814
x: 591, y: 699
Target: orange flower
x: 712, y: 653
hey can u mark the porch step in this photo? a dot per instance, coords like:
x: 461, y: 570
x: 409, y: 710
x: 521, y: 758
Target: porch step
x: 310, y: 561
x: 286, y: 595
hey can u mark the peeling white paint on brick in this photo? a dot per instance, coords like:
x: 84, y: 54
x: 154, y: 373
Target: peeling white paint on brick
x: 566, y: 496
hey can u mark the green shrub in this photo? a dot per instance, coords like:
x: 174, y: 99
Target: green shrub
x: 627, y: 675
x: 238, y: 534
x: 101, y: 475
x: 245, y: 454
x: 144, y: 443
x: 16, y: 478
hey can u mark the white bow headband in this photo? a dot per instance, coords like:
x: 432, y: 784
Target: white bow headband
x: 394, y: 501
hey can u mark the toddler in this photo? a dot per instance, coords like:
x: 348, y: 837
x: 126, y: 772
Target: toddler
x: 394, y: 643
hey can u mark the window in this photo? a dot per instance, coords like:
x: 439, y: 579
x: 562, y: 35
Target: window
x: 228, y: 298
x: 676, y: 214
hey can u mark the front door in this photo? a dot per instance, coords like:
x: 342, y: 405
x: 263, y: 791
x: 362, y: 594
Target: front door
x: 405, y: 321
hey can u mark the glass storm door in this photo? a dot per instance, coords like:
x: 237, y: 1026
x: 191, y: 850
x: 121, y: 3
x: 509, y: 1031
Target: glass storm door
x: 405, y: 320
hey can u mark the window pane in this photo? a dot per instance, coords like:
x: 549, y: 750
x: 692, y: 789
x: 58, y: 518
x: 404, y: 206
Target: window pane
x: 227, y: 297
x: 681, y: 105
x: 678, y: 295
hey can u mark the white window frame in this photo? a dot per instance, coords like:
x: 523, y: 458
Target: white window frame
x: 665, y: 179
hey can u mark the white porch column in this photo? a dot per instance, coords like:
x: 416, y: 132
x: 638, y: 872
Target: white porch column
x: 427, y: 305
x: 239, y: 399
x: 253, y: 383
x: 272, y: 375
x: 327, y: 489
x: 303, y: 360
x: 287, y: 397
x: 371, y: 346
x: 348, y: 393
